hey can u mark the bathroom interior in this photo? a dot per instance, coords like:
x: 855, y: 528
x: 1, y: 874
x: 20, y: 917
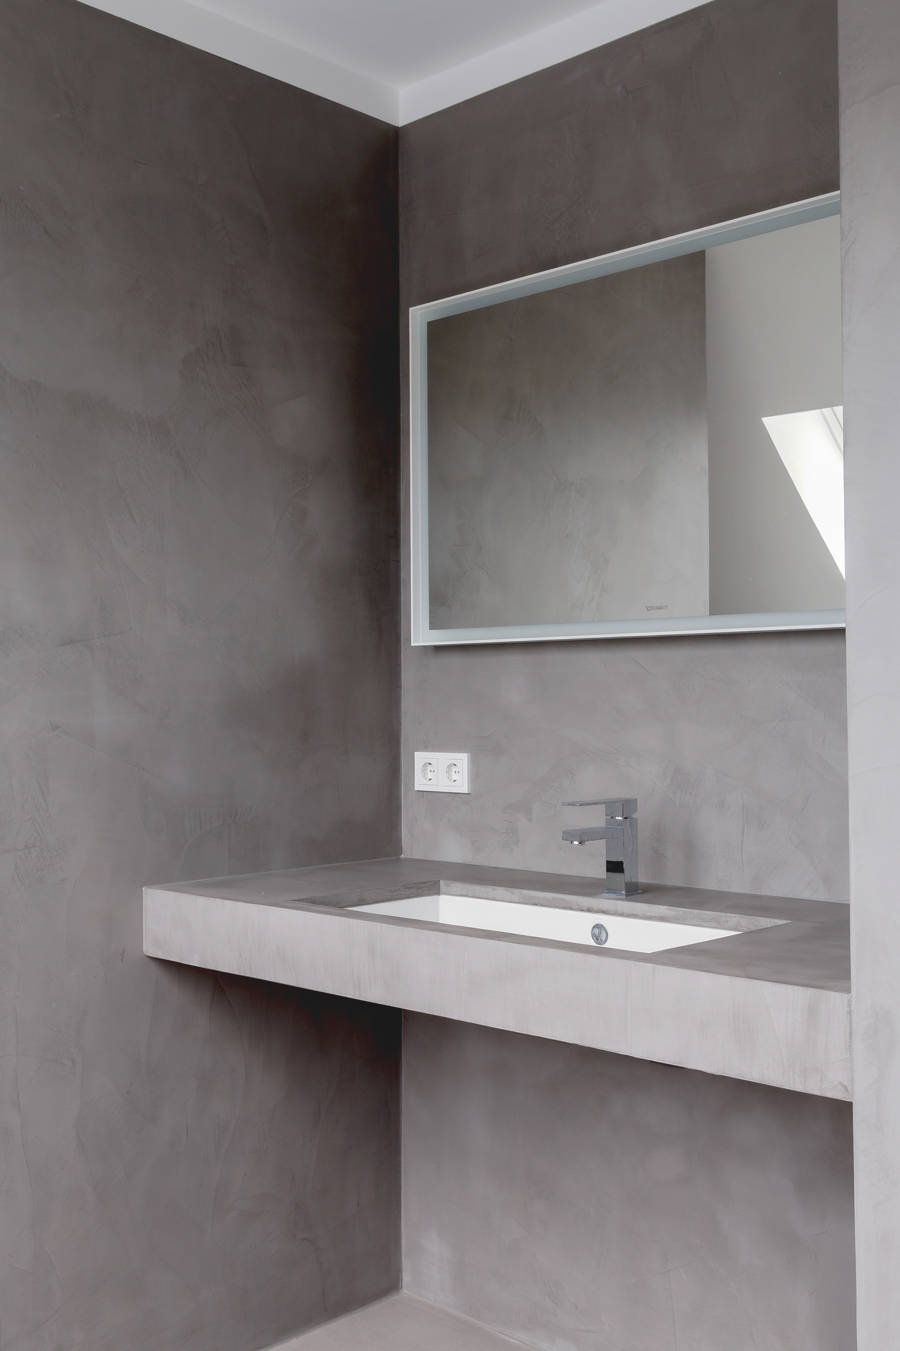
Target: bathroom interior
x: 403, y: 486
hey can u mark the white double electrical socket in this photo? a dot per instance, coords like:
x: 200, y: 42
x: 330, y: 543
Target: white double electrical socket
x: 442, y: 771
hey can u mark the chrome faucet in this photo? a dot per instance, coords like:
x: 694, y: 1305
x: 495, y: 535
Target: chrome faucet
x: 620, y: 833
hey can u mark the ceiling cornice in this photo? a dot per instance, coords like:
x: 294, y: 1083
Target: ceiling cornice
x: 535, y: 51
x: 270, y: 55
x: 273, y: 55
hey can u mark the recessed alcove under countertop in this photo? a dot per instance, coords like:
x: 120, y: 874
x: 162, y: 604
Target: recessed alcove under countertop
x: 769, y: 1003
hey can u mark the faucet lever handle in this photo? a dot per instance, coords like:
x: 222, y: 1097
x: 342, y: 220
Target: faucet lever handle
x: 618, y: 807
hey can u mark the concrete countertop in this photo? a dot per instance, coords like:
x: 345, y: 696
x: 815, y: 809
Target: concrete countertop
x: 770, y: 1004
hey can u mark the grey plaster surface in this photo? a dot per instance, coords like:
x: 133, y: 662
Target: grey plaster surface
x: 735, y: 746
x: 197, y: 674
x: 775, y: 1013
x: 870, y: 87
x: 583, y: 1202
x: 401, y: 1323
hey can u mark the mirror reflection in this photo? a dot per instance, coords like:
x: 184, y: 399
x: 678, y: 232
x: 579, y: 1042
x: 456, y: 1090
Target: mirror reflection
x: 658, y: 442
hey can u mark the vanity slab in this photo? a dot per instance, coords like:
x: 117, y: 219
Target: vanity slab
x: 401, y: 1323
x: 770, y: 1004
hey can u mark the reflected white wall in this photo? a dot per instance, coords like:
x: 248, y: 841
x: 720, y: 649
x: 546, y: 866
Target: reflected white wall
x: 773, y: 346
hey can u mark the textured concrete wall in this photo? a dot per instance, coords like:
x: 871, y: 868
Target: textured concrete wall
x: 583, y: 1202
x: 197, y: 675
x: 735, y: 746
x: 870, y: 126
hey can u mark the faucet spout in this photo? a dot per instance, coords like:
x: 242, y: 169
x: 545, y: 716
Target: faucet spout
x: 590, y: 834
x: 619, y: 832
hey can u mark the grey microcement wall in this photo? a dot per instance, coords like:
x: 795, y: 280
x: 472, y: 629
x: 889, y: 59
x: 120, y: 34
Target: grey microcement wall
x: 735, y: 746
x: 198, y: 620
x: 870, y: 135
x: 577, y: 1200
x: 567, y: 453
x: 588, y: 1202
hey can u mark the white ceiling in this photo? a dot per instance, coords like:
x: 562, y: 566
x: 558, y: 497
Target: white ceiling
x: 395, y: 59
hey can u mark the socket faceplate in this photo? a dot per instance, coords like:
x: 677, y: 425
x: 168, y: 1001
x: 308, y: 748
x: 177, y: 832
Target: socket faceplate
x: 442, y: 771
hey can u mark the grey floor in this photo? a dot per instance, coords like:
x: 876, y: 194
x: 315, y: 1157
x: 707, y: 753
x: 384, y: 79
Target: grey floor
x: 400, y: 1323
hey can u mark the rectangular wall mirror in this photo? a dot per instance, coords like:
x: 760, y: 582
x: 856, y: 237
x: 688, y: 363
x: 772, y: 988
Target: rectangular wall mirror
x: 645, y: 443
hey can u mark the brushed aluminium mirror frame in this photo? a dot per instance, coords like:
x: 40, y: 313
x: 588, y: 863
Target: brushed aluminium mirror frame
x: 422, y: 634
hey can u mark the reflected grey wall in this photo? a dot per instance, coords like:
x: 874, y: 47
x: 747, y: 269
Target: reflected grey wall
x: 870, y: 125
x: 735, y: 746
x: 581, y: 1201
x: 567, y: 453
x: 197, y: 608
x: 774, y: 346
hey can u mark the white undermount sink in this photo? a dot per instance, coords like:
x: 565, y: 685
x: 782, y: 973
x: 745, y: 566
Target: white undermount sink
x: 592, y: 928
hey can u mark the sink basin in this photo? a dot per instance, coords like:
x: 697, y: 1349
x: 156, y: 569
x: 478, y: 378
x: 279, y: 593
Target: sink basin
x: 592, y: 928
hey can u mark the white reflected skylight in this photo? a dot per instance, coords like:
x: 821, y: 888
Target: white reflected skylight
x: 811, y: 446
